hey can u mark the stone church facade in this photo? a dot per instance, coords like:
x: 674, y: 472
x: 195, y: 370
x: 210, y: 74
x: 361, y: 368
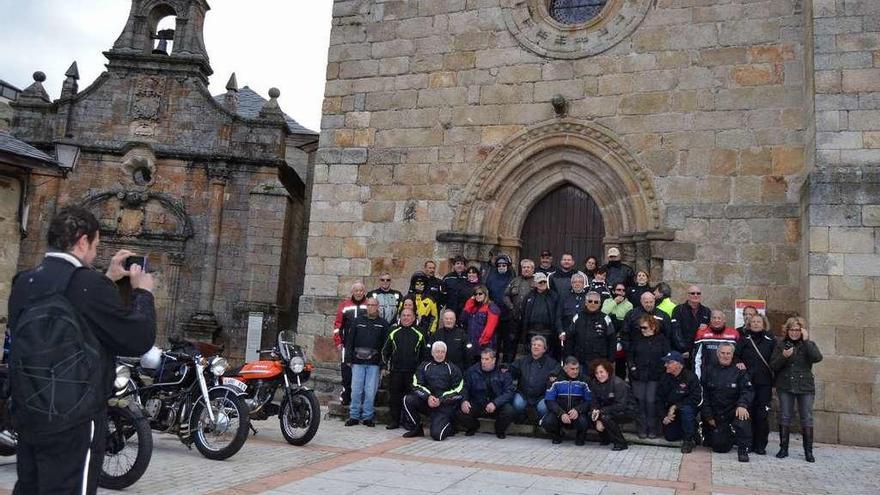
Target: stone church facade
x: 732, y: 144
x: 211, y: 188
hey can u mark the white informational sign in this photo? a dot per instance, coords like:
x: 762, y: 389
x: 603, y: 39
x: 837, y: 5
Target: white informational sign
x: 254, y: 336
x: 740, y: 304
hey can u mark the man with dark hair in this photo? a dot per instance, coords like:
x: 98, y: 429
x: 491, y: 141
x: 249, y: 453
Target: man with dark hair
x: 435, y: 289
x: 663, y: 295
x: 488, y: 392
x: 747, y: 313
x: 363, y: 345
x: 545, y: 263
x: 568, y: 403
x: 57, y: 456
x: 455, y: 285
x: 560, y: 280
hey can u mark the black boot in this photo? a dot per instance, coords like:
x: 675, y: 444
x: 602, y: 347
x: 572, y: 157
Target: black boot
x: 616, y: 436
x: 742, y: 454
x: 784, y: 432
x: 580, y: 438
x: 808, y: 443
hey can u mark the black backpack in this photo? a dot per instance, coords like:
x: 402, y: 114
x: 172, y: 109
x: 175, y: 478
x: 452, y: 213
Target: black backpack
x: 55, y: 371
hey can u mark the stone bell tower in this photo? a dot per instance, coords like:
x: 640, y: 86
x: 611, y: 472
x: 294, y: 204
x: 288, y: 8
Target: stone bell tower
x: 143, y: 44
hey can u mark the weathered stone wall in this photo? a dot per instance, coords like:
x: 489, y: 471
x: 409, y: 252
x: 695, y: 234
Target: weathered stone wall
x: 702, y: 105
x: 842, y: 210
x: 10, y: 195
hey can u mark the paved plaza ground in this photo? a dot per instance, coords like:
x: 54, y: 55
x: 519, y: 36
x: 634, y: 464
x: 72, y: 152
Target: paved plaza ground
x: 365, y: 461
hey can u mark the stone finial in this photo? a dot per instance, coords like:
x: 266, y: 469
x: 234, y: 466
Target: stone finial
x: 35, y: 93
x: 232, y: 84
x: 70, y: 86
x: 270, y: 109
x: 230, y: 100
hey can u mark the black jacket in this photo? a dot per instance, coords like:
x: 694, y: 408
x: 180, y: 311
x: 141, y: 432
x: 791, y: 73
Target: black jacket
x: 725, y: 389
x: 455, y: 290
x: 591, y: 336
x: 631, y: 331
x: 613, y: 398
x: 533, y: 375
x: 681, y: 390
x: 366, y: 333
x: 645, y: 358
x: 634, y: 294
x: 121, y: 331
x: 795, y: 373
x: 570, y: 304
x: 619, y: 272
x: 482, y: 387
x: 745, y: 352
x: 442, y: 380
x: 404, y: 349
x: 688, y: 322
x: 602, y: 288
x: 541, y: 314
x: 560, y: 281
x: 457, y: 345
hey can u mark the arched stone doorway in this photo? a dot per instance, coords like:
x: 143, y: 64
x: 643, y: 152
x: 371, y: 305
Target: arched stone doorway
x: 565, y: 220
x: 493, y: 207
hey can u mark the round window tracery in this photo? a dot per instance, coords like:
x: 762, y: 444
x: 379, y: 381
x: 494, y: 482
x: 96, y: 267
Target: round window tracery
x: 570, y: 29
x: 575, y: 11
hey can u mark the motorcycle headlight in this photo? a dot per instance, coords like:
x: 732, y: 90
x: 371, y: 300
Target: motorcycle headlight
x: 219, y: 366
x: 123, y: 374
x: 297, y: 364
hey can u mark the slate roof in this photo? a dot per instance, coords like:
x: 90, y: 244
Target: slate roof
x: 250, y: 103
x: 11, y: 145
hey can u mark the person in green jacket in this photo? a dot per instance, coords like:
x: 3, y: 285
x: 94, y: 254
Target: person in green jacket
x: 792, y: 361
x: 663, y: 293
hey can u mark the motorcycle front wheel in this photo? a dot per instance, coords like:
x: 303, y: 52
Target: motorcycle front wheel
x: 128, y: 448
x: 226, y: 435
x: 300, y: 417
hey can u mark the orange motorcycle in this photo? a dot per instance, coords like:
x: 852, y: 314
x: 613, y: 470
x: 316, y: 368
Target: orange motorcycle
x: 285, y: 368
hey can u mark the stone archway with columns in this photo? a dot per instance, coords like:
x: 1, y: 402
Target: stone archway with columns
x: 496, y: 201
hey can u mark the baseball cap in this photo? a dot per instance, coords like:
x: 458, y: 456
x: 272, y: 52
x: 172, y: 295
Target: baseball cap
x: 614, y: 252
x: 540, y: 277
x: 673, y: 356
x: 546, y: 252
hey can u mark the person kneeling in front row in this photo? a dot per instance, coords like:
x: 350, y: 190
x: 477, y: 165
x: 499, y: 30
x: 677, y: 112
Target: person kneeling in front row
x: 488, y: 392
x: 613, y: 403
x: 568, y: 403
x: 679, y: 396
x: 729, y: 395
x: 436, y: 391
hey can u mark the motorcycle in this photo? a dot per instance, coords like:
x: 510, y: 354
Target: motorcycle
x: 128, y: 445
x: 299, y: 413
x: 181, y: 394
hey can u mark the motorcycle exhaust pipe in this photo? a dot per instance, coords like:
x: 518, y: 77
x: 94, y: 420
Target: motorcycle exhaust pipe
x: 7, y: 439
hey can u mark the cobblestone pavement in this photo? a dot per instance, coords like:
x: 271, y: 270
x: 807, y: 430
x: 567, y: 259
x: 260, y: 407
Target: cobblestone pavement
x: 375, y: 461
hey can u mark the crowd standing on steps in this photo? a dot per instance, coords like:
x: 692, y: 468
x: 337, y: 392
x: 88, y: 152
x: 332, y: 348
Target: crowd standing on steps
x: 603, y: 347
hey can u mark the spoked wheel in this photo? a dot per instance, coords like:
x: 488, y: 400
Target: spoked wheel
x: 225, y: 436
x: 300, y: 417
x: 128, y: 448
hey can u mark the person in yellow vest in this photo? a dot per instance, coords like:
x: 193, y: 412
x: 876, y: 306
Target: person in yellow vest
x: 423, y: 304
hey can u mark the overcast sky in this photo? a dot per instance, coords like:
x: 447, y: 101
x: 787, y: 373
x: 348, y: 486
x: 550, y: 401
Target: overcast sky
x: 280, y: 43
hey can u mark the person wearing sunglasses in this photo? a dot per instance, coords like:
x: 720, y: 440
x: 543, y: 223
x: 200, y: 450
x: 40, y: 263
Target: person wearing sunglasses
x: 793, y: 361
x: 644, y: 363
x: 388, y: 298
x: 480, y: 318
x: 541, y: 315
x: 691, y: 316
x: 591, y: 335
x: 617, y: 307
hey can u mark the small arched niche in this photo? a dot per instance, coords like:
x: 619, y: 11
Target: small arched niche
x: 163, y: 26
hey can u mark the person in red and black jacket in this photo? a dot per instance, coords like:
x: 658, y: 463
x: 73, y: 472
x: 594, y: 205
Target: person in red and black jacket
x: 480, y: 319
x: 708, y: 339
x: 346, y: 312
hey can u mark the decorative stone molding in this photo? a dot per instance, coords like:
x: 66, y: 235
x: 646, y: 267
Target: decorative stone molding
x: 136, y: 201
x: 531, y: 24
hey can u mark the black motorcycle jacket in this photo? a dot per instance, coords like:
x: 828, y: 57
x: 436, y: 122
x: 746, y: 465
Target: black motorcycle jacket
x: 404, y: 349
x: 725, y: 388
x: 442, y: 380
x: 365, y: 334
x: 759, y: 370
x: 591, y: 336
x: 457, y: 346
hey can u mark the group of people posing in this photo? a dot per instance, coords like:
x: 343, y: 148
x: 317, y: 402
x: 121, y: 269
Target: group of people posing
x: 604, y: 347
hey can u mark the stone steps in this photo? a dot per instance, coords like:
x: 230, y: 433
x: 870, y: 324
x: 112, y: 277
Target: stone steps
x: 487, y: 425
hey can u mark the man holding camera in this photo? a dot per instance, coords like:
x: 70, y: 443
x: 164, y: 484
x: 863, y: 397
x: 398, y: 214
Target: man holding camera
x: 69, y: 319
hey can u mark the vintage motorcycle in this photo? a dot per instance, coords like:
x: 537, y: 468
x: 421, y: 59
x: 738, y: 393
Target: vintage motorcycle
x: 299, y: 412
x: 180, y: 392
x: 128, y: 442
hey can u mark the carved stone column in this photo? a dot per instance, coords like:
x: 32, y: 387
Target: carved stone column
x: 175, y: 261
x: 204, y: 325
